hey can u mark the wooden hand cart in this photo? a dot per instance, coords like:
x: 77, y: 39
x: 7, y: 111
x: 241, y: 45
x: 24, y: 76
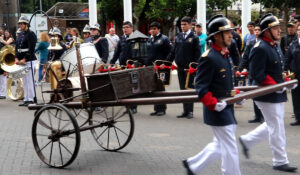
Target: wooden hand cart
x: 104, y: 111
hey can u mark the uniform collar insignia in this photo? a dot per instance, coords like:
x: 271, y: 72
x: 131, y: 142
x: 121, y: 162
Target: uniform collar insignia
x: 272, y: 43
x: 219, y: 49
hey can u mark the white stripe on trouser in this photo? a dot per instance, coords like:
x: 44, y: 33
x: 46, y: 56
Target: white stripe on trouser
x: 3, y: 80
x: 272, y: 129
x: 28, y: 83
x: 223, y: 146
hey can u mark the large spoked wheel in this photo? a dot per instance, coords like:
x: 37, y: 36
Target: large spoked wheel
x: 117, y: 127
x: 55, y: 135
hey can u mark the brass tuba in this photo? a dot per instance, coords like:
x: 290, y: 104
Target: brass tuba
x: 15, y: 90
x: 7, y: 55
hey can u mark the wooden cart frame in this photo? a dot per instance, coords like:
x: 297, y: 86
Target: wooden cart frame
x: 57, y: 126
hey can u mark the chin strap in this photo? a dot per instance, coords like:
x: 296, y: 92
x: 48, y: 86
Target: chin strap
x: 272, y: 36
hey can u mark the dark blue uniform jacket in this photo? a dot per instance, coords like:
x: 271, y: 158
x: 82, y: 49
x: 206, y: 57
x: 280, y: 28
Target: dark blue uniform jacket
x: 267, y: 59
x: 102, y: 48
x: 158, y: 48
x: 26, y: 40
x: 185, y: 50
x: 122, y: 52
x: 215, y: 75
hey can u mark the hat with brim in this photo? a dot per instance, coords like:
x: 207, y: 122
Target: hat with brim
x: 95, y: 26
x: 218, y: 24
x: 268, y: 21
x: 23, y: 19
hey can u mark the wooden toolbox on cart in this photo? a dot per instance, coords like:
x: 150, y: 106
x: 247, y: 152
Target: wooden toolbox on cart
x: 121, y: 84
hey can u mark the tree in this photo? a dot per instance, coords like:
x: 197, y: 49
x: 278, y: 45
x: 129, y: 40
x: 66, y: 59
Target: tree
x: 283, y: 5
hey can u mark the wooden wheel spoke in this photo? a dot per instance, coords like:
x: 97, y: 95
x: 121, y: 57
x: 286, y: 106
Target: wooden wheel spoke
x: 121, y: 116
x: 117, y: 136
x: 101, y: 133
x: 122, y: 120
x: 59, y: 121
x: 61, y: 158
x: 121, y: 130
x: 44, y: 135
x: 118, y: 112
x: 51, y: 153
x: 65, y: 147
x: 42, y: 123
x: 67, y: 124
x: 45, y: 146
x: 106, y: 116
x: 108, y: 138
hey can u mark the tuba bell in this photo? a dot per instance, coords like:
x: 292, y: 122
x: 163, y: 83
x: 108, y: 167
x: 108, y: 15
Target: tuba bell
x: 7, y: 55
x: 15, y: 72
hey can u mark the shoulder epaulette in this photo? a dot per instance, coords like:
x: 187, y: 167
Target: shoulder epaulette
x: 205, y: 53
x: 256, y: 44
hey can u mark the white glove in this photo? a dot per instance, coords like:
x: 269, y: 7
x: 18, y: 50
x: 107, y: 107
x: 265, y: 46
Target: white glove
x: 220, y: 106
x: 281, y: 91
x: 241, y: 102
x: 293, y: 87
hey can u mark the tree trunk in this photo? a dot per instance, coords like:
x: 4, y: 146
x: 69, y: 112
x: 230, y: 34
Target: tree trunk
x: 298, y: 11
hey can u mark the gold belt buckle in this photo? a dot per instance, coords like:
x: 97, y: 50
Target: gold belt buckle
x: 232, y: 93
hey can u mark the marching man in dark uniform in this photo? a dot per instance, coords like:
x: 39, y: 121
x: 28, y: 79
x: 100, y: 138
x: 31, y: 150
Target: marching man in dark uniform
x: 215, y: 80
x: 101, y: 43
x: 25, y: 46
x: 288, y: 38
x: 186, y: 50
x: 293, y: 64
x: 266, y: 68
x: 158, y: 47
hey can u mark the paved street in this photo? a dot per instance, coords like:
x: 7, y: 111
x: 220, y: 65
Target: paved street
x: 157, y: 148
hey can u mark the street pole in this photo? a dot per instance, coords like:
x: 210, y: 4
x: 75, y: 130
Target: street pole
x: 201, y: 14
x: 246, y: 16
x: 127, y: 4
x: 7, y: 15
x: 93, y: 12
x: 41, y: 6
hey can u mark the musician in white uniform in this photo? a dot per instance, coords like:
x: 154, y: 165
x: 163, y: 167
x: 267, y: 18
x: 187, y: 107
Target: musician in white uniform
x: 24, y: 50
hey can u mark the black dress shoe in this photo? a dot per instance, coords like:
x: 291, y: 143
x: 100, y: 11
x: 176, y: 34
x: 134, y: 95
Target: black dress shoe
x: 28, y: 103
x: 186, y: 166
x: 189, y: 115
x: 297, y: 122
x: 245, y: 149
x: 2, y: 97
x: 285, y: 168
x: 256, y: 120
x: 161, y: 113
x: 153, y: 113
x: 183, y: 115
x: 23, y: 104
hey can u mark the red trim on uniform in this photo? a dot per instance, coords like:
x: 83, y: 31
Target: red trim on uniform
x: 209, y: 101
x: 130, y: 66
x: 237, y: 91
x: 287, y: 79
x: 268, y: 40
x: 268, y: 81
x: 219, y: 49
